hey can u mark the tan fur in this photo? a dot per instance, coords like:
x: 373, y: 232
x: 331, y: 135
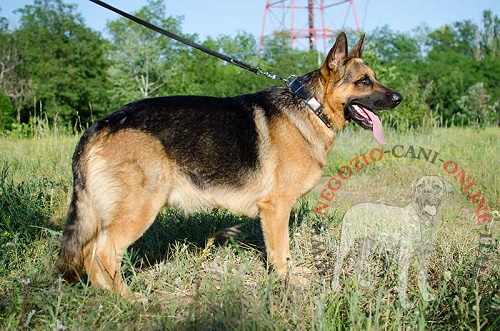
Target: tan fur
x: 127, y: 175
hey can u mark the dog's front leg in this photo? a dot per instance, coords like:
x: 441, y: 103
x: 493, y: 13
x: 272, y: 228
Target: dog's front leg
x: 403, y: 267
x: 275, y: 215
x: 364, y: 279
x: 422, y: 275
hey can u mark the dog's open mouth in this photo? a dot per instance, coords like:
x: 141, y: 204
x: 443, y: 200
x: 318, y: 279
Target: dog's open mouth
x: 429, y: 205
x: 431, y: 210
x: 366, y: 119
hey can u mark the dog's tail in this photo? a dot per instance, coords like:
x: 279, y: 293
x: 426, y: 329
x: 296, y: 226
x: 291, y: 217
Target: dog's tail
x: 82, y: 221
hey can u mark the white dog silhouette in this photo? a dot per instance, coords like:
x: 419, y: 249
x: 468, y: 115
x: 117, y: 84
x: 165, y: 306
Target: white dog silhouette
x: 410, y: 230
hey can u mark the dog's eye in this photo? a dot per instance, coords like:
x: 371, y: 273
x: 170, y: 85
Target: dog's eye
x: 364, y: 81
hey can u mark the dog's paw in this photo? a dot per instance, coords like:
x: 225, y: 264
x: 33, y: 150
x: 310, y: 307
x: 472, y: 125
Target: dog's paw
x: 428, y: 296
x: 364, y: 282
x: 300, y: 276
x: 136, y: 297
x: 405, y: 303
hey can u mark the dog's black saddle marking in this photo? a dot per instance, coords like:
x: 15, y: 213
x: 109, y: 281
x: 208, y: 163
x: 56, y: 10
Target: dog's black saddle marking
x: 214, y: 139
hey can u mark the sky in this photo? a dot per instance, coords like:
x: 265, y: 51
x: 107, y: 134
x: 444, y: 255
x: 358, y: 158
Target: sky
x: 216, y: 17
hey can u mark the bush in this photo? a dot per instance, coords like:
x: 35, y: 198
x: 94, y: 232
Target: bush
x: 414, y: 111
x: 476, y: 107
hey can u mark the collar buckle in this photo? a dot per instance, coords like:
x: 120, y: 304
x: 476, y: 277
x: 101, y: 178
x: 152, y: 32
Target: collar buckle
x: 299, y: 89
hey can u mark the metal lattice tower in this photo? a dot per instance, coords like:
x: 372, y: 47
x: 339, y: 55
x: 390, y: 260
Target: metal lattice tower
x: 309, y: 23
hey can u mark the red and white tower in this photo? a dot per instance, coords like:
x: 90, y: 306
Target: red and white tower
x: 309, y: 23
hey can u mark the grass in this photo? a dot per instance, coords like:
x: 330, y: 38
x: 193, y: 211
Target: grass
x: 208, y: 271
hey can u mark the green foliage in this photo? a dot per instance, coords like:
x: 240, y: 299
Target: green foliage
x: 55, y: 66
x: 414, y: 111
x: 434, y: 70
x: 64, y: 59
x: 490, y: 38
x: 488, y: 70
x: 460, y: 37
x: 394, y: 46
x: 280, y: 58
x: 200, y: 73
x: 4, y: 24
x: 6, y: 111
x: 14, y: 79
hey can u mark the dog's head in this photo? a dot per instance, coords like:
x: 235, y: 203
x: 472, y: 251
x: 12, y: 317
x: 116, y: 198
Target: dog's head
x: 351, y: 90
x: 428, y: 193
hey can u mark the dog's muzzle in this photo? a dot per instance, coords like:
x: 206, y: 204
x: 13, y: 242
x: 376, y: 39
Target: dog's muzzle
x: 429, y: 203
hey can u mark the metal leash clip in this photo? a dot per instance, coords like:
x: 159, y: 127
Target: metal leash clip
x: 269, y: 75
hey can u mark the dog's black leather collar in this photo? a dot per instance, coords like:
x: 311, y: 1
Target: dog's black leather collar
x: 299, y: 89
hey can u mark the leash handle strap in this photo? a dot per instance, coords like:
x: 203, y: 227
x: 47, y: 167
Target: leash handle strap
x: 185, y: 41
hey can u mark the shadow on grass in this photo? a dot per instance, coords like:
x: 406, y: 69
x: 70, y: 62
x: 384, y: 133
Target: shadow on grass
x: 217, y: 227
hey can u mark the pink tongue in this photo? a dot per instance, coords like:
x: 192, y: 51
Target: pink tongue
x: 377, y: 127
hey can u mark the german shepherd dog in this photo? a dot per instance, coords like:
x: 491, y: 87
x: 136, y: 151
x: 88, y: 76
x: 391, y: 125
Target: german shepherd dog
x: 252, y: 154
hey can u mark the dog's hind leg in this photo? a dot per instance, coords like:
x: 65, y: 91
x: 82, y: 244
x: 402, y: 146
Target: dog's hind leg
x: 103, y: 261
x: 127, y: 179
x: 135, y: 212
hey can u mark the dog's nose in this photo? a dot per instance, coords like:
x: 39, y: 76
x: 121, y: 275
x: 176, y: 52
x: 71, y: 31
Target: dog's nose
x: 396, y: 98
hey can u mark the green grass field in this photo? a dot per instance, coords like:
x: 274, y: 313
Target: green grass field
x: 208, y: 271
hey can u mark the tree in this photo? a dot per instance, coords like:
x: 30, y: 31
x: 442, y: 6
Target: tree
x: 468, y: 38
x: 460, y: 37
x: 142, y: 61
x: 4, y: 24
x: 64, y: 60
x: 14, y: 80
x: 281, y: 59
x: 463, y: 56
x: 440, y: 70
x: 490, y: 39
x: 5, y: 111
x: 14, y: 86
x: 393, y: 46
x: 476, y: 107
x: 204, y: 74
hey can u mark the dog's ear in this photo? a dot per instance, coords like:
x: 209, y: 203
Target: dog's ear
x: 337, y: 55
x: 357, y: 51
x: 448, y: 188
x: 413, y: 186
